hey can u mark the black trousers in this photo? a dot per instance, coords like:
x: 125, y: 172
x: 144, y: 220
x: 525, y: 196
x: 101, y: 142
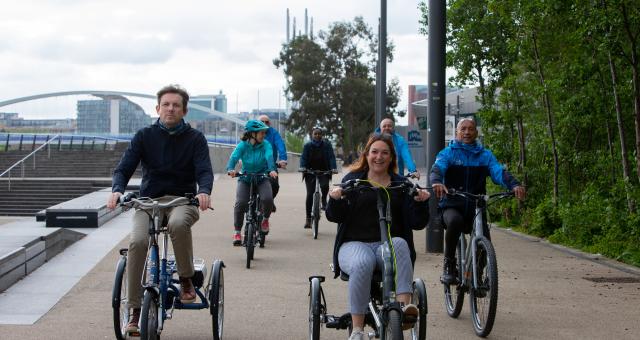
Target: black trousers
x: 310, y: 182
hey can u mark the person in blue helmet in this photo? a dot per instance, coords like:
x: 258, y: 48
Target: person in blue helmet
x: 279, y: 153
x: 464, y: 165
x: 257, y: 157
x: 405, y: 160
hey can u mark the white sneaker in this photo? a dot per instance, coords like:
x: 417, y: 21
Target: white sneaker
x: 358, y: 335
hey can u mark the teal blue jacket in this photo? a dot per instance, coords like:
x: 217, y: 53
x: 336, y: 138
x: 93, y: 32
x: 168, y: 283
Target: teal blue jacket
x: 257, y: 158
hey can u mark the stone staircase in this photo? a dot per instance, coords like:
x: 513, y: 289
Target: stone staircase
x: 63, y: 176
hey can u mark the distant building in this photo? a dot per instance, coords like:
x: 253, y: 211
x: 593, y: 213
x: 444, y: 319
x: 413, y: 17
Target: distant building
x: 112, y: 114
x: 12, y: 121
x: 416, y: 93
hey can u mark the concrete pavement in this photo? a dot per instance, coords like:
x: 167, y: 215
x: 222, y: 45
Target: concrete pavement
x: 545, y: 292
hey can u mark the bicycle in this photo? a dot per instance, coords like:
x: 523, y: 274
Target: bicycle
x: 385, y: 313
x: 161, y: 292
x: 253, y: 234
x: 476, y: 268
x: 315, y: 207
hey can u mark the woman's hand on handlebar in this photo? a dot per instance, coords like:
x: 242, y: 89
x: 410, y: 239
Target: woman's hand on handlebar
x: 440, y: 190
x: 273, y: 174
x: 422, y: 195
x: 231, y: 173
x: 335, y: 193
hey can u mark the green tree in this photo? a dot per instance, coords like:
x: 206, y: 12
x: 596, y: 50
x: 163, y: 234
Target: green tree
x: 331, y: 82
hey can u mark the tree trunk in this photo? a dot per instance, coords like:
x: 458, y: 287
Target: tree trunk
x: 623, y: 146
x: 606, y: 108
x: 633, y: 39
x: 547, y: 104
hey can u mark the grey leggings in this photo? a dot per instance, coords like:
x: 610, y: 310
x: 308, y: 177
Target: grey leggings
x: 242, y: 201
x: 359, y: 259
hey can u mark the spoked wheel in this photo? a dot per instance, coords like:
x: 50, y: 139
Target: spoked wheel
x: 314, y: 309
x: 419, y: 298
x: 149, y: 317
x: 249, y: 242
x: 393, y: 330
x: 119, y: 300
x: 316, y: 214
x: 216, y: 298
x: 484, y: 298
x: 454, y: 293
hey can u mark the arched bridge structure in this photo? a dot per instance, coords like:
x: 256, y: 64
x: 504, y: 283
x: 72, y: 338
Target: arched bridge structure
x: 222, y: 115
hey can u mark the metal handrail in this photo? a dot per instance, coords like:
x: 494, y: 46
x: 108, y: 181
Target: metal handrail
x: 8, y: 171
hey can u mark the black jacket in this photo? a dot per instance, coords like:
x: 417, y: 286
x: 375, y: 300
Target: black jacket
x: 415, y: 216
x: 171, y: 164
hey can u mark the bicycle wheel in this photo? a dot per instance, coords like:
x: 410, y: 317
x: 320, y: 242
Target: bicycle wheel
x: 316, y: 214
x: 149, y: 317
x: 216, y: 298
x: 454, y: 293
x: 419, y: 298
x: 314, y: 309
x: 119, y: 300
x: 249, y: 241
x: 393, y: 329
x: 484, y: 297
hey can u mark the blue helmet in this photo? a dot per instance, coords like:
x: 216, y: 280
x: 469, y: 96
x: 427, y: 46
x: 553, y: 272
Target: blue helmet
x: 255, y: 126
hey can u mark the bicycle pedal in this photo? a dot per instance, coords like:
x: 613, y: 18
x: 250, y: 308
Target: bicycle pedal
x: 331, y: 321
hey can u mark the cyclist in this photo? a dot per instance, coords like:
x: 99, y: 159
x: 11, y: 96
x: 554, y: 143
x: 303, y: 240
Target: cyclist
x: 279, y: 153
x: 257, y: 157
x: 174, y: 158
x: 464, y: 165
x: 387, y: 126
x: 317, y: 154
x: 357, y: 249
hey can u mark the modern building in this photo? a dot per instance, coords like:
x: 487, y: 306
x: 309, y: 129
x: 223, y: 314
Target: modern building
x: 112, y: 114
x: 11, y: 121
x: 416, y: 93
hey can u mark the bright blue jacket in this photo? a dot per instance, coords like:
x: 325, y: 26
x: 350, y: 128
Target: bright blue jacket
x: 465, y: 167
x: 403, y: 154
x: 279, y: 149
x: 256, y: 158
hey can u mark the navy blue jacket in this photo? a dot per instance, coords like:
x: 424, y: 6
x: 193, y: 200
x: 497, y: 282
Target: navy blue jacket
x: 415, y: 216
x: 465, y: 167
x: 327, y: 150
x: 171, y: 164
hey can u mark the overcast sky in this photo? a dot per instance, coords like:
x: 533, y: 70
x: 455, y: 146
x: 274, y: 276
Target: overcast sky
x: 206, y: 46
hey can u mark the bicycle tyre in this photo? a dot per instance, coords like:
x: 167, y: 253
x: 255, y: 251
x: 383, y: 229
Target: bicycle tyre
x: 216, y: 298
x: 250, y: 242
x: 393, y: 329
x: 316, y: 214
x: 419, y: 298
x: 149, y: 317
x: 314, y: 309
x: 454, y: 294
x: 483, y: 312
x: 119, y: 300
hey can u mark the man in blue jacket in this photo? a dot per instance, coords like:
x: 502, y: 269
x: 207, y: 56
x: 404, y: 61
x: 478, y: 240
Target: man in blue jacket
x: 387, y: 126
x: 317, y: 154
x: 464, y: 166
x: 175, y: 161
x: 279, y: 153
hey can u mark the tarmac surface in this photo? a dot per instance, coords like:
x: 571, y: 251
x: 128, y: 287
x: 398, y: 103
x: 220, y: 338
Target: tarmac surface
x: 545, y: 291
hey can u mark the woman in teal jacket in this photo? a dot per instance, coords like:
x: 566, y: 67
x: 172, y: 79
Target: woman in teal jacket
x: 257, y: 157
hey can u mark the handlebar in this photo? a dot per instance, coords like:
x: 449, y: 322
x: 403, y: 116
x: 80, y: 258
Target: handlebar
x: 316, y: 172
x: 251, y: 174
x: 485, y: 197
x: 356, y: 184
x: 131, y: 200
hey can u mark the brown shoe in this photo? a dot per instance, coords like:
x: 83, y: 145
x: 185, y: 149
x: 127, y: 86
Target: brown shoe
x: 409, y: 316
x: 134, y: 318
x: 187, y: 292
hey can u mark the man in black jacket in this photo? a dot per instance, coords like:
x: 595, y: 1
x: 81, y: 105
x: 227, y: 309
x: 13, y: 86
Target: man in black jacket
x: 174, y: 158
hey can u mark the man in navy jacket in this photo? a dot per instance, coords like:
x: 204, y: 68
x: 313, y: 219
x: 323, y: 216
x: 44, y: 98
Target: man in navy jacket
x: 175, y: 161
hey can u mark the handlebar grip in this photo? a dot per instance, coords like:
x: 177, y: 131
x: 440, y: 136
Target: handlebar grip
x: 127, y: 197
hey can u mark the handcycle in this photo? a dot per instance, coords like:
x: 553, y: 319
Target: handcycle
x: 315, y: 207
x: 385, y: 312
x: 253, y: 234
x: 161, y: 292
x: 476, y: 268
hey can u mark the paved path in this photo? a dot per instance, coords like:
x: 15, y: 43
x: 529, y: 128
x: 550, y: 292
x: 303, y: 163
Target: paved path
x: 543, y: 290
